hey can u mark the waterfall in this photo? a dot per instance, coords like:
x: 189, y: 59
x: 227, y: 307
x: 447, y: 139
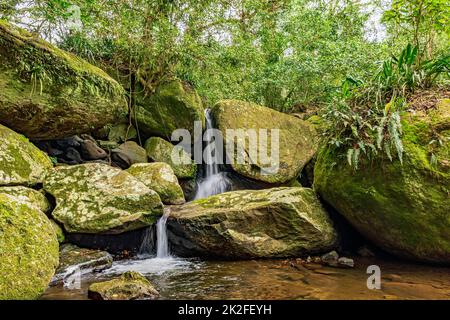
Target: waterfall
x: 162, y: 241
x: 214, y: 181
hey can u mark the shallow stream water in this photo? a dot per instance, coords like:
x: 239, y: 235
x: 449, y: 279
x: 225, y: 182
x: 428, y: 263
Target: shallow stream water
x: 177, y: 278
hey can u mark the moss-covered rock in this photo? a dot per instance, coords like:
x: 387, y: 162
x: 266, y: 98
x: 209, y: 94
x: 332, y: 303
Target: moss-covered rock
x: 122, y: 132
x: 174, y: 105
x: 32, y: 197
x: 46, y: 93
x: 59, y: 231
x: 20, y: 161
x: 28, y: 249
x: 297, y: 140
x: 159, y: 176
x: 97, y: 198
x: 160, y: 150
x: 129, y: 286
x: 401, y: 208
x: 271, y: 223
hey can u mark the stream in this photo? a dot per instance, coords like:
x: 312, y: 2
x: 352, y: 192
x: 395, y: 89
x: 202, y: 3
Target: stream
x: 177, y: 278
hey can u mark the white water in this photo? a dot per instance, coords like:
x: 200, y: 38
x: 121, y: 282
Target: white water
x: 214, y: 181
x: 162, y: 241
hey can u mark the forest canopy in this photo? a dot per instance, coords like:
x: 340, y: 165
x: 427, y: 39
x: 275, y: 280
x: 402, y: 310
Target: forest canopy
x: 284, y: 54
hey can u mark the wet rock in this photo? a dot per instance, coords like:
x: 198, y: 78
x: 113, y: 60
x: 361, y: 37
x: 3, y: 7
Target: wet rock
x: 159, y: 176
x: 97, y: 198
x: 128, y: 154
x: 28, y: 249
x: 73, y: 258
x: 91, y: 151
x: 331, y: 258
x: 20, y: 161
x: 129, y: 286
x: 346, y: 262
x: 279, y: 222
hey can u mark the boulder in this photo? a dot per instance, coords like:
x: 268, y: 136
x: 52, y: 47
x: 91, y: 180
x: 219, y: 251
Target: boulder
x: 47, y: 93
x: 401, y: 208
x: 59, y: 231
x: 129, y: 153
x: 97, y: 198
x: 129, y: 286
x: 159, y: 176
x: 28, y: 249
x: 160, y: 150
x: 20, y: 161
x: 174, y: 105
x: 298, y: 141
x: 30, y: 196
x: 271, y: 223
x: 84, y: 260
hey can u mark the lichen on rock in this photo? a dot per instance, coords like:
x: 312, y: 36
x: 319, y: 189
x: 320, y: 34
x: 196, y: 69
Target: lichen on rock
x: 97, y: 198
x: 160, y: 177
x: 28, y: 250
x: 21, y: 163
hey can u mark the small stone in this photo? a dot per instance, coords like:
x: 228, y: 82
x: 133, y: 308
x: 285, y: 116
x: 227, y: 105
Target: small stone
x: 346, y: 262
x: 331, y: 258
x: 129, y: 286
x: 91, y: 151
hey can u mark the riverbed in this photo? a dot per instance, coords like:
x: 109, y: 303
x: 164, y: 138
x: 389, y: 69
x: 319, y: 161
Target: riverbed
x: 177, y: 278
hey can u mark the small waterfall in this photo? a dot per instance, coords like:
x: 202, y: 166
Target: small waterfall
x: 214, y: 181
x: 162, y: 241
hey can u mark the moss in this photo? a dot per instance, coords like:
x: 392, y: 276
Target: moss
x: 20, y: 161
x: 129, y: 286
x: 42, y: 83
x: 298, y: 140
x: 160, y: 150
x: 159, y: 177
x: 28, y: 250
x: 33, y: 197
x: 173, y: 106
x: 399, y: 207
x: 97, y: 198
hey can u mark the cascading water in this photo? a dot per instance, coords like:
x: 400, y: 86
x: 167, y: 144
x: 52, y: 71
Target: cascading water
x: 214, y: 181
x: 162, y: 242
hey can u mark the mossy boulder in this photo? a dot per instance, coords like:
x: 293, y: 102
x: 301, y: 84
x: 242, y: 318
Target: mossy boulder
x: 271, y: 223
x: 159, y: 176
x: 97, y: 198
x: 21, y: 162
x: 33, y: 197
x: 401, y: 208
x: 121, y: 132
x: 160, y: 150
x: 47, y: 93
x: 298, y: 140
x: 28, y: 249
x: 59, y: 231
x: 174, y: 105
x: 129, y: 286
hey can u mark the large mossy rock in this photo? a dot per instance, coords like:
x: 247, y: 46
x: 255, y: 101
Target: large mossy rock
x: 21, y: 162
x: 160, y: 150
x: 28, y: 249
x: 159, y: 176
x: 33, y: 197
x: 46, y: 93
x: 272, y: 223
x: 129, y: 286
x: 297, y: 140
x: 174, y: 105
x: 401, y: 208
x: 97, y: 198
